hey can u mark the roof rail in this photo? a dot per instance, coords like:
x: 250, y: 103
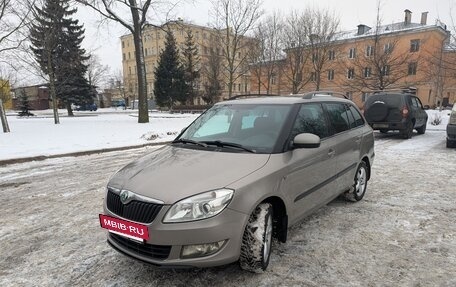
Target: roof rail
x: 250, y: 96
x: 313, y: 94
x: 403, y: 91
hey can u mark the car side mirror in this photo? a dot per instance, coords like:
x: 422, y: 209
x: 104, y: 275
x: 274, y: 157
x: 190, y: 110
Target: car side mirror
x: 306, y: 140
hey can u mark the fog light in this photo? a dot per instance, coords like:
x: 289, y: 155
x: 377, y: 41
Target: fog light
x: 200, y: 250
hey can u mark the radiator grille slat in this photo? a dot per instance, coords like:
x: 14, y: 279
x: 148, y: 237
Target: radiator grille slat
x: 149, y: 250
x: 144, y: 212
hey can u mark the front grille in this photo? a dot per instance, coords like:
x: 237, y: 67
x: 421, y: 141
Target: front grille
x: 148, y: 250
x: 144, y: 212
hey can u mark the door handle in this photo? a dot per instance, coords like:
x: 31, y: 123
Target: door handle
x: 331, y: 153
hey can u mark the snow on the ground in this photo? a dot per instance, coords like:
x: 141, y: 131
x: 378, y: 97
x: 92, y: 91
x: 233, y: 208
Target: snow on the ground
x: 105, y: 128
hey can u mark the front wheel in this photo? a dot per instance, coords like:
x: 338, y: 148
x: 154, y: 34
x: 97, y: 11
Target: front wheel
x: 360, y: 185
x: 257, y: 240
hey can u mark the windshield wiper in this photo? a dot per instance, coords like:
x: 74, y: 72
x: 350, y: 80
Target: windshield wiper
x: 185, y: 141
x: 228, y: 144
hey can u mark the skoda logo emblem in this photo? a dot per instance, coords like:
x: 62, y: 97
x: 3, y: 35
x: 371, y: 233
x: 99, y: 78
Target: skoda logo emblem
x: 124, y: 196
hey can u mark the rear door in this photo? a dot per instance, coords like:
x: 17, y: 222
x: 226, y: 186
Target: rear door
x: 419, y: 112
x: 347, y: 139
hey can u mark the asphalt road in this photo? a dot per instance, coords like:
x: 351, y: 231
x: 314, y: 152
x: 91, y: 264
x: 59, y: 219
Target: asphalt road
x: 403, y: 233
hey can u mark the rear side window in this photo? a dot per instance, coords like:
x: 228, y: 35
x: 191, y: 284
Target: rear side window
x: 416, y: 103
x: 311, y: 119
x: 359, y: 121
x: 338, y: 116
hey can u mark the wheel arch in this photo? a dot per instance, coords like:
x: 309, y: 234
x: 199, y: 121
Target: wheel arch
x: 368, y: 164
x: 280, y: 217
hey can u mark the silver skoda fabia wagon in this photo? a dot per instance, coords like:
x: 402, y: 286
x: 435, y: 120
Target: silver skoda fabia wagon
x: 237, y: 177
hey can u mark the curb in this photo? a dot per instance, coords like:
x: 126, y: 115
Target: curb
x: 75, y: 154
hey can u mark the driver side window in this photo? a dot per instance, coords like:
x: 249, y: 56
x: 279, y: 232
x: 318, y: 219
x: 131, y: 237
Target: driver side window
x: 311, y: 119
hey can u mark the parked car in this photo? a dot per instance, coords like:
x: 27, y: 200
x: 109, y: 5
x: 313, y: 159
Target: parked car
x: 404, y: 112
x: 87, y: 107
x: 239, y: 175
x: 451, y: 129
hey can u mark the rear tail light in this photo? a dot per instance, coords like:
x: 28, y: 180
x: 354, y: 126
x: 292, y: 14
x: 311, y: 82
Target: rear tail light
x: 405, y: 112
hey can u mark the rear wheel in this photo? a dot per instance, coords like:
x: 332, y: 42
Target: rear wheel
x: 408, y: 131
x: 421, y: 130
x: 257, y: 240
x: 360, y: 185
x: 450, y: 144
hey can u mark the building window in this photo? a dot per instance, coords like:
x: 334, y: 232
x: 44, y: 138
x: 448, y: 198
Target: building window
x: 352, y: 53
x: 414, y: 45
x: 239, y: 87
x: 314, y: 57
x: 367, y: 72
x: 332, y: 55
x: 129, y: 56
x: 123, y: 44
x: 205, y: 50
x: 123, y: 56
x: 412, y: 68
x: 349, y: 95
x: 204, y: 36
x: 350, y: 73
x: 330, y: 75
x: 313, y: 77
x: 129, y: 70
x: 273, y: 79
x: 386, y: 70
x: 364, y: 97
x: 388, y: 48
x: 146, y: 51
x: 369, y: 51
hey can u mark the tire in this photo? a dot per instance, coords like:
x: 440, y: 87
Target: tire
x: 421, y: 130
x: 377, y: 112
x: 384, y: 131
x: 450, y: 144
x: 257, y: 240
x: 407, y: 133
x: 359, y: 187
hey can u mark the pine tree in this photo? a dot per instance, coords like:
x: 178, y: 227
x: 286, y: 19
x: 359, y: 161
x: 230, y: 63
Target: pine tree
x: 56, y: 42
x: 191, y: 69
x: 169, y: 86
x: 24, y: 104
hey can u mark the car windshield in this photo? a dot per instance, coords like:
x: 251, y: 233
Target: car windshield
x: 242, y: 127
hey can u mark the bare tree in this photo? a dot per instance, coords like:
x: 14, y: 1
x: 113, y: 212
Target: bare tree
x: 14, y: 16
x: 211, y: 75
x: 233, y: 20
x: 135, y: 23
x: 295, y: 42
x: 321, y: 26
x: 97, y: 73
x: 266, y: 50
x: 378, y: 63
x: 116, y: 83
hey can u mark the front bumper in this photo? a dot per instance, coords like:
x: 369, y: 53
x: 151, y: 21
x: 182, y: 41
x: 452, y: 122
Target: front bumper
x: 228, y: 225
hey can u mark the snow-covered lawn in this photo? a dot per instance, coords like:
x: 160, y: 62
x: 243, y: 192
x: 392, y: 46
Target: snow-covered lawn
x: 105, y: 128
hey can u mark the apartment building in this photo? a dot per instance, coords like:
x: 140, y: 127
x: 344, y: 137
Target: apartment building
x: 206, y: 40
x: 397, y: 56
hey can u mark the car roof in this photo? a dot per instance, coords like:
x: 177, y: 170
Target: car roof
x: 279, y: 100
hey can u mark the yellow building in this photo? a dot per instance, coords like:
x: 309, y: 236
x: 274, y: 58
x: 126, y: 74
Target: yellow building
x: 395, y: 56
x: 206, y: 41
x: 5, y: 94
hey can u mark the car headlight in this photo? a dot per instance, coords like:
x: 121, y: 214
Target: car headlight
x: 200, y: 206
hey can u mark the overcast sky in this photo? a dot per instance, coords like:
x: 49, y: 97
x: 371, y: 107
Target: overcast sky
x: 104, y: 41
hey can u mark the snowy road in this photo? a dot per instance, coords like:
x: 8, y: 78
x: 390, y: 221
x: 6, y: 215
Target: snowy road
x: 402, y: 234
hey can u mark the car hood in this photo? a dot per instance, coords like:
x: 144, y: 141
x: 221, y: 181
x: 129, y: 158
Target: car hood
x: 172, y: 173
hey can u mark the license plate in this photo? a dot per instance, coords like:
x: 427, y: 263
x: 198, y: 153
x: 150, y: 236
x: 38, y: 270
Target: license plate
x: 125, y: 228
x: 381, y: 126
